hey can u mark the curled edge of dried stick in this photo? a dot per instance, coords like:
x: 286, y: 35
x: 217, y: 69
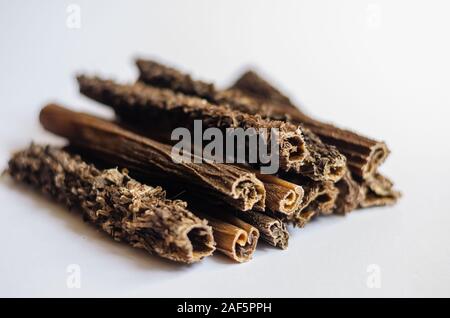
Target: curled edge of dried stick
x: 237, y: 187
x: 271, y: 229
x: 234, y: 237
x: 319, y: 198
x: 281, y: 196
x: 122, y: 207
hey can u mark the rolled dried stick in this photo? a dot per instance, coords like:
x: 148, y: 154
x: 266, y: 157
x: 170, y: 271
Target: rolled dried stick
x: 235, y: 238
x: 319, y: 198
x: 122, y: 207
x: 272, y: 230
x: 142, y: 106
x: 231, y: 184
x: 324, y: 162
x: 364, y: 155
x: 281, y: 196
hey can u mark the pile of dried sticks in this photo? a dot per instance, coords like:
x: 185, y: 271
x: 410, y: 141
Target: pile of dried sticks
x: 121, y: 174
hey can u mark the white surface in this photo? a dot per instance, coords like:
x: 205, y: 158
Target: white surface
x: 380, y: 67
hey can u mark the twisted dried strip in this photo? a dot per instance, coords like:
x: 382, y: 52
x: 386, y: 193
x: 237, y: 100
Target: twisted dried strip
x: 235, y: 238
x: 364, y: 155
x: 122, y: 207
x: 378, y: 191
x: 140, y: 104
x: 324, y: 161
x: 239, y: 188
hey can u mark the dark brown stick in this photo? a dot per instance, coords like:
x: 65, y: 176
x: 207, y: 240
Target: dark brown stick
x: 364, y: 155
x: 122, y: 207
x: 142, y: 106
x: 323, y: 162
x: 160, y: 76
x: 229, y: 183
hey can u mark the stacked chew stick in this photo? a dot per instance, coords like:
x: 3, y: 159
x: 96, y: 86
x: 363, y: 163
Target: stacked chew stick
x: 113, y: 170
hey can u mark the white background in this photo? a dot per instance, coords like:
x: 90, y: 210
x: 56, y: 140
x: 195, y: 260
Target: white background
x: 379, y: 67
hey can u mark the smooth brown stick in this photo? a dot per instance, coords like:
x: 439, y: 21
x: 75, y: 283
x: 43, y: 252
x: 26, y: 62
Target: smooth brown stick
x: 323, y: 162
x: 229, y: 183
x: 235, y: 238
x: 122, y: 207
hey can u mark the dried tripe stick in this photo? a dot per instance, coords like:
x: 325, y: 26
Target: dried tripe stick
x: 364, y: 155
x: 319, y: 198
x: 272, y: 230
x: 239, y: 188
x: 235, y: 238
x: 159, y: 75
x: 122, y: 207
x: 281, y: 196
x: 141, y: 105
x: 323, y: 162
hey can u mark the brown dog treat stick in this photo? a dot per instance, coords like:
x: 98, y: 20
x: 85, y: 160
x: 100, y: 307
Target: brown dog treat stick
x: 229, y: 183
x: 125, y: 209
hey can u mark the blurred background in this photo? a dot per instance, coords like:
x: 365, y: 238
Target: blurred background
x: 379, y: 67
